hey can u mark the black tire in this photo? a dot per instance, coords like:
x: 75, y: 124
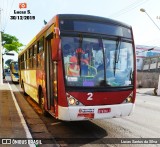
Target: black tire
x: 22, y: 86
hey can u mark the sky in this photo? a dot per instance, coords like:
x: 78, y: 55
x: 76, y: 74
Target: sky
x: 127, y: 11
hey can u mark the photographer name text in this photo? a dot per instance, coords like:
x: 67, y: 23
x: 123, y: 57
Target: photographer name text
x: 22, y: 12
x: 22, y: 15
x: 139, y: 141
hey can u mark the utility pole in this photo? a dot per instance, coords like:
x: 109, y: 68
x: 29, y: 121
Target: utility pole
x: 143, y: 10
x: 1, y: 64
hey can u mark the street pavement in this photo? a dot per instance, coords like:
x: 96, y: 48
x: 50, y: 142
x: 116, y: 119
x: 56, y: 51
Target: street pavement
x: 149, y: 91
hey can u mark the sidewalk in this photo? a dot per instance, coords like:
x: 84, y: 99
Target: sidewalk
x: 149, y: 91
x: 12, y: 123
x: 13, y: 126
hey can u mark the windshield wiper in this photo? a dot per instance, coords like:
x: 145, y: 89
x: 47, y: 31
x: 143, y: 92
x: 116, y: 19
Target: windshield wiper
x: 79, y: 51
x: 117, y: 54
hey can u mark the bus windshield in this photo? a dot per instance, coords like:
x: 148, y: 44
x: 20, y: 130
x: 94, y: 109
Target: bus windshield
x: 97, y: 62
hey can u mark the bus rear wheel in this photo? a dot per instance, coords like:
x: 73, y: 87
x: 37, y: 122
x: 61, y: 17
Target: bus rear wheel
x: 42, y: 103
x: 22, y: 86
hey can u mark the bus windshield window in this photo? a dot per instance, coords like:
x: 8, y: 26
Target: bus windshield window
x: 118, y: 71
x: 90, y: 62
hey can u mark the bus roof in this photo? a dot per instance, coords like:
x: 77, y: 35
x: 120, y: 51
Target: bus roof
x: 75, y: 17
x: 92, y: 18
x: 39, y: 34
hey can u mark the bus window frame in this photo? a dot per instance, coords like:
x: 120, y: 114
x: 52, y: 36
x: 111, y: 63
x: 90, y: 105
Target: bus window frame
x: 34, y: 57
x: 40, y: 52
x: 30, y: 58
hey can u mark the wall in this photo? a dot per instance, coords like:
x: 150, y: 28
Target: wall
x: 147, y: 79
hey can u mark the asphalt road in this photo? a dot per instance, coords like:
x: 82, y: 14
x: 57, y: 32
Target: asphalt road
x: 144, y: 123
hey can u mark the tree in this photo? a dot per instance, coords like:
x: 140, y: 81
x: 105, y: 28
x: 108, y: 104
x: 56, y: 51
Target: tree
x: 8, y: 62
x: 10, y: 43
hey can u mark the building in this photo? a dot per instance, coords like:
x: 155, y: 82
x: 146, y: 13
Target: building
x: 144, y: 52
x: 14, y: 57
x: 148, y: 66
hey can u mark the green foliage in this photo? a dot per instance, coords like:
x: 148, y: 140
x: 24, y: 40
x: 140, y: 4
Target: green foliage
x: 10, y: 43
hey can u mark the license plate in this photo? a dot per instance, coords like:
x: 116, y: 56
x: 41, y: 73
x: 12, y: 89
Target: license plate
x: 86, y: 115
x: 104, y: 110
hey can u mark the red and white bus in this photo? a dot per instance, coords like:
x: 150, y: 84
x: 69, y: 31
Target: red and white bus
x: 81, y: 67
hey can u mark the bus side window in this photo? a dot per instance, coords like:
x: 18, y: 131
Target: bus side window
x: 30, y: 58
x: 25, y: 59
x: 40, y: 53
x: 22, y: 61
x: 34, y: 55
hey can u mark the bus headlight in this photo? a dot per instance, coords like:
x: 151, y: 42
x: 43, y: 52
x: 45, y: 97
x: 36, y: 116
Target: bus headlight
x: 129, y: 98
x: 72, y: 101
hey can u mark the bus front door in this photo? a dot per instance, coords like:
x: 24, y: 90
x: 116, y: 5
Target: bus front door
x: 49, y: 65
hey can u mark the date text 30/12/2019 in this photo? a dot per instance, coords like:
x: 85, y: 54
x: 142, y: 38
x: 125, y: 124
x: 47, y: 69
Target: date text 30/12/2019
x: 22, y: 17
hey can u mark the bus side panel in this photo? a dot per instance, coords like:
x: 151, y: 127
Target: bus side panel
x: 62, y: 101
x: 30, y: 84
x: 135, y: 75
x: 40, y: 78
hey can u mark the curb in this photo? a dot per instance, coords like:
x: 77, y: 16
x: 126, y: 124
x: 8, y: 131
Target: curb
x: 23, y: 122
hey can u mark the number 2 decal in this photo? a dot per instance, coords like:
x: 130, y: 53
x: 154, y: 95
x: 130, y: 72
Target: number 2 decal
x: 90, y: 96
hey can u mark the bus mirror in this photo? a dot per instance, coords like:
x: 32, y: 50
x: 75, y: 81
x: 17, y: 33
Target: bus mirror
x: 55, y: 49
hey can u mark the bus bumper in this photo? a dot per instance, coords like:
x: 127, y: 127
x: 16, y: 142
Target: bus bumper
x: 77, y: 113
x: 15, y: 79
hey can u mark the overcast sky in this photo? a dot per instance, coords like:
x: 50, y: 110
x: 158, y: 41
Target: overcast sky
x: 127, y: 11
